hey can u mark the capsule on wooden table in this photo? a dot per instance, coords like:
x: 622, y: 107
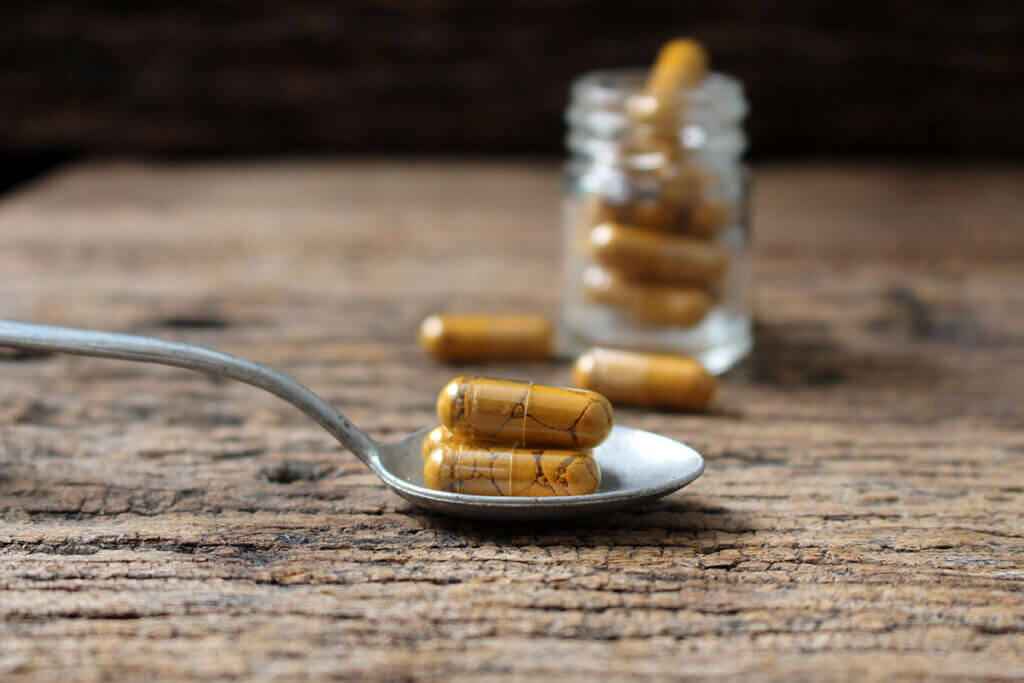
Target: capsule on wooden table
x: 486, y: 337
x: 527, y: 414
x: 646, y: 379
x: 506, y: 471
x: 652, y: 304
x: 648, y: 256
x: 438, y: 436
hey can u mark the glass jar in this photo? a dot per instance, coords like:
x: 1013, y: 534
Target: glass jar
x: 655, y: 220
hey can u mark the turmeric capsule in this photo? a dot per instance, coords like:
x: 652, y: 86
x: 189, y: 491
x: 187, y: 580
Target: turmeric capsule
x: 655, y: 214
x: 681, y: 63
x: 597, y: 210
x: 528, y: 414
x: 652, y: 304
x: 481, y: 337
x: 706, y: 218
x: 438, y: 436
x: 686, y: 184
x: 505, y: 471
x: 646, y: 379
x: 644, y: 255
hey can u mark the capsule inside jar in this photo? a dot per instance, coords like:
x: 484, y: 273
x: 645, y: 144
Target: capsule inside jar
x: 646, y: 379
x: 651, y: 304
x: 644, y: 255
x: 507, y: 471
x: 524, y: 413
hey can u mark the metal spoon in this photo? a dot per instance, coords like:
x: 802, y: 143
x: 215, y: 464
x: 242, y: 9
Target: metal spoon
x: 635, y: 465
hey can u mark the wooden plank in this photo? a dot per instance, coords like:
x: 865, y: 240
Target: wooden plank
x: 860, y: 517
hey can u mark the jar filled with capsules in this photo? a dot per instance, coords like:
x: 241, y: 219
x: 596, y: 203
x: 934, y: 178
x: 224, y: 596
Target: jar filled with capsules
x: 656, y: 226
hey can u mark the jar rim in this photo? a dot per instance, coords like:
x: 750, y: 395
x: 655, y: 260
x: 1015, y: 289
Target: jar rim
x: 618, y: 87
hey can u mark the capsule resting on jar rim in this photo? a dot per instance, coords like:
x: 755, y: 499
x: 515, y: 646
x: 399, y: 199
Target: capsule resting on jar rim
x: 483, y: 337
x: 506, y: 471
x: 681, y: 63
x: 646, y: 379
x: 643, y: 255
x: 524, y: 413
x: 653, y: 304
x: 438, y: 436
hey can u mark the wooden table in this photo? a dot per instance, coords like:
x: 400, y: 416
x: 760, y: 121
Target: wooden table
x: 862, y: 514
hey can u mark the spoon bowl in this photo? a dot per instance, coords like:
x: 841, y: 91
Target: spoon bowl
x: 636, y: 466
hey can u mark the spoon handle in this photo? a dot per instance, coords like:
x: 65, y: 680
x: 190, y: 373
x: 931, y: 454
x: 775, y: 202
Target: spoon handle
x: 149, y: 350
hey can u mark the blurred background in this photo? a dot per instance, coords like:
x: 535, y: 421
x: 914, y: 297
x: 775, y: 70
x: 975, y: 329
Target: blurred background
x: 461, y: 77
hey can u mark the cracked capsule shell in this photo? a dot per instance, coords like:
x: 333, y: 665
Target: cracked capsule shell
x: 646, y: 379
x: 506, y: 471
x: 648, y: 256
x: 483, y: 337
x: 524, y: 413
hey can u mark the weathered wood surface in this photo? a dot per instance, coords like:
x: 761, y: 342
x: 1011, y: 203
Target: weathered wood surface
x: 862, y: 515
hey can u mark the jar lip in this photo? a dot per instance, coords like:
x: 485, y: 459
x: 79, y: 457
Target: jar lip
x: 614, y: 88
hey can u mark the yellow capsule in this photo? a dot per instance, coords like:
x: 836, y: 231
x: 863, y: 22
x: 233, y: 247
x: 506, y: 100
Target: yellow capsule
x: 438, y: 436
x: 686, y: 184
x: 482, y: 337
x: 652, y: 304
x: 524, y: 413
x: 597, y: 209
x: 655, y: 214
x: 646, y: 379
x: 506, y: 471
x: 681, y: 63
x: 706, y: 218
x: 643, y: 255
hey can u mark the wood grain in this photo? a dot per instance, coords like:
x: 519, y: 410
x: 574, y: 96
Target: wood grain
x: 861, y: 516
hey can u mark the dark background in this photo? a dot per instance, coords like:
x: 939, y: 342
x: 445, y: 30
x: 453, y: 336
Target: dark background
x: 454, y: 77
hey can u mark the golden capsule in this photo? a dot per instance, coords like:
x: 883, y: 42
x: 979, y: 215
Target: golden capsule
x: 706, y: 218
x: 481, y: 337
x: 438, y: 436
x: 528, y: 414
x: 686, y: 184
x: 646, y: 379
x: 681, y: 63
x: 652, y: 304
x: 643, y: 255
x: 597, y: 209
x: 506, y: 471
x: 660, y: 215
